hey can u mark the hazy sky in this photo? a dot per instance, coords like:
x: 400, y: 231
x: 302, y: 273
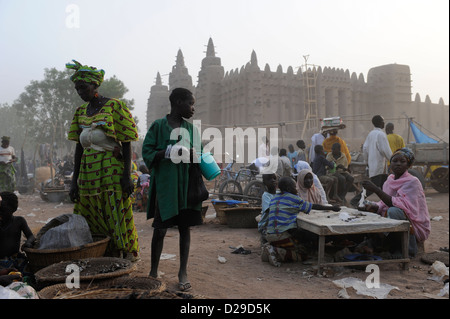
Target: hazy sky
x: 135, y: 39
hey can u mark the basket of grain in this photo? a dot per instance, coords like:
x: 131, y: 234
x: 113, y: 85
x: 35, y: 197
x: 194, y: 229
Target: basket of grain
x: 41, y: 258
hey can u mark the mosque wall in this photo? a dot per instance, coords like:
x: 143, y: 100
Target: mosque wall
x: 251, y: 96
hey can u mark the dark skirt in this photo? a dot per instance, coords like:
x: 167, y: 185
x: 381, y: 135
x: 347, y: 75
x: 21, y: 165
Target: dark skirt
x: 185, y: 218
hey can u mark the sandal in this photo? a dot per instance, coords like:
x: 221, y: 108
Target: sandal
x: 184, y: 286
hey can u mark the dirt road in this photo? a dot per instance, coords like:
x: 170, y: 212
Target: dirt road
x: 245, y: 275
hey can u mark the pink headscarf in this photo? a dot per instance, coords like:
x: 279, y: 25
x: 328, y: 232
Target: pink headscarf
x: 311, y: 194
x: 407, y: 194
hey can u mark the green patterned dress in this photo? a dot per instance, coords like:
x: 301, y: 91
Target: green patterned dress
x: 101, y: 201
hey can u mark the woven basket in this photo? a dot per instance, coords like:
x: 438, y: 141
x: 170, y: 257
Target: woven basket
x: 242, y: 217
x: 220, y: 213
x: 90, y: 269
x: 118, y: 288
x: 41, y: 258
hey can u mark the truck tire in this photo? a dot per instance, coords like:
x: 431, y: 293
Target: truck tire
x: 439, y: 179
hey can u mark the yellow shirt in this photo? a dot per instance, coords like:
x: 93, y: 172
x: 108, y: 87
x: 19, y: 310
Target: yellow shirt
x: 395, y: 142
x: 329, y: 141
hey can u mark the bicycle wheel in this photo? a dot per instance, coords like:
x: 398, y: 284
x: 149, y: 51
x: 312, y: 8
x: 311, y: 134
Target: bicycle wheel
x: 254, y: 190
x: 228, y: 188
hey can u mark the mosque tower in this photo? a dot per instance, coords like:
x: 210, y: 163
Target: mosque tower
x: 179, y: 77
x: 158, y: 104
x: 208, y: 93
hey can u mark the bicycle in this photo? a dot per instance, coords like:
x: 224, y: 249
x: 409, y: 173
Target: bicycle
x: 244, y: 183
x: 228, y: 184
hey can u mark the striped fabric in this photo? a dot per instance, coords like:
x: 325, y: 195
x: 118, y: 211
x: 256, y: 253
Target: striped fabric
x: 283, y: 212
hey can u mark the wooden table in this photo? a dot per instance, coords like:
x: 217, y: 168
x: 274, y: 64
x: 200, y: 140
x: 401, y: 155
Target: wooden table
x: 326, y: 223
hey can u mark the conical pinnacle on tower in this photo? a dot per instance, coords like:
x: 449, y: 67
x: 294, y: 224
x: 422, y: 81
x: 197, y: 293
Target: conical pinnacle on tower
x: 158, y: 79
x: 210, y: 48
x: 180, y: 58
x: 254, y: 60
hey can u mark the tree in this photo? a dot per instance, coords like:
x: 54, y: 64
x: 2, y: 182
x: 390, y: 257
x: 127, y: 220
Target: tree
x: 46, y: 107
x: 7, y: 117
x: 114, y: 88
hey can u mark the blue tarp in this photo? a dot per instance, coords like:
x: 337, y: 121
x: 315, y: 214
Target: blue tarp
x: 420, y: 136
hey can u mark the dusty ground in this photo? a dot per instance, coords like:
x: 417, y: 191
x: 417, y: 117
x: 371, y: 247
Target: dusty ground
x: 246, y: 276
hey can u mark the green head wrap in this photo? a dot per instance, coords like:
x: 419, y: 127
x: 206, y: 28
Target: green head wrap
x: 85, y: 73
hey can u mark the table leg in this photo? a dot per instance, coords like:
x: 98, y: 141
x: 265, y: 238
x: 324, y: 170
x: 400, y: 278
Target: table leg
x: 321, y: 252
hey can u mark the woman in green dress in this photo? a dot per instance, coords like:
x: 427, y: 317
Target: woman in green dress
x: 169, y: 146
x: 103, y: 129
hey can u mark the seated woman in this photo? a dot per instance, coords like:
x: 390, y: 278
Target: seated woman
x: 306, y: 188
x: 304, y: 165
x: 403, y: 198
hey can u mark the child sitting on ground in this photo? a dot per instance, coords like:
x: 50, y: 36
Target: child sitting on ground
x: 285, y: 240
x: 11, y: 229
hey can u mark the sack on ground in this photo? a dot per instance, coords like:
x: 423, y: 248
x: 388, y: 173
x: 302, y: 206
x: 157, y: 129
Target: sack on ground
x: 64, y: 231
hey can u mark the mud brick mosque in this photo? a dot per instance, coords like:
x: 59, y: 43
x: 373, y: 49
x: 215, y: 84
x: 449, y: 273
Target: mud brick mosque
x: 295, y: 102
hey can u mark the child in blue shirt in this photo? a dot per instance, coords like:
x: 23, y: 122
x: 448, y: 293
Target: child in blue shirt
x: 271, y: 182
x: 282, y: 232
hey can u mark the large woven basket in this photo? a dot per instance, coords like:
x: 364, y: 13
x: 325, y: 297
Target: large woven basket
x: 118, y: 288
x: 89, y: 269
x: 220, y: 206
x: 242, y: 217
x: 41, y: 258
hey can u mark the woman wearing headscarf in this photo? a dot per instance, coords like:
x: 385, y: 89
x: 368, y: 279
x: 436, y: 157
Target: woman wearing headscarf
x: 306, y: 188
x: 101, y: 185
x: 403, y: 198
x: 304, y: 165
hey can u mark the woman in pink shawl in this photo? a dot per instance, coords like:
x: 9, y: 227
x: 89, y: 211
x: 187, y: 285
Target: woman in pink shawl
x: 403, y: 198
x: 306, y: 188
